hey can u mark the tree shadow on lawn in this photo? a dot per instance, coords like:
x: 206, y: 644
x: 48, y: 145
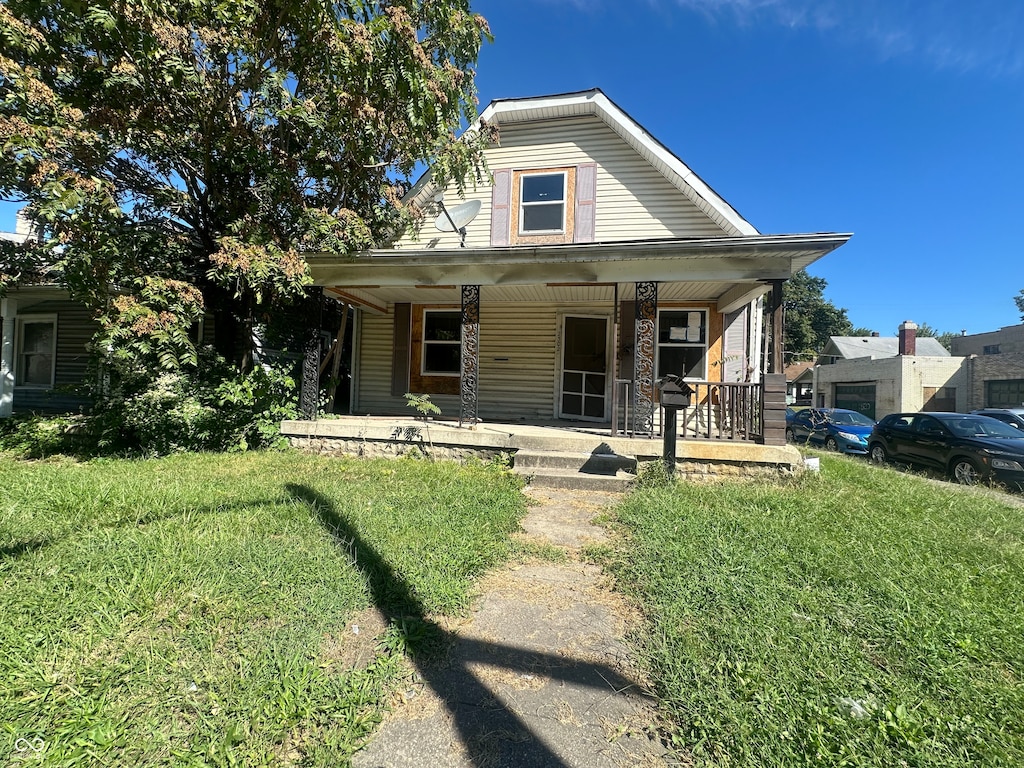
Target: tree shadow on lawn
x: 495, y: 735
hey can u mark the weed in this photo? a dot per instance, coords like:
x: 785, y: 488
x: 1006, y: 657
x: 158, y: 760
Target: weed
x: 422, y: 405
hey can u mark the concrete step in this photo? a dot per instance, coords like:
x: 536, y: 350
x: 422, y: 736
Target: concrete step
x: 588, y: 463
x: 569, y: 480
x: 575, y: 470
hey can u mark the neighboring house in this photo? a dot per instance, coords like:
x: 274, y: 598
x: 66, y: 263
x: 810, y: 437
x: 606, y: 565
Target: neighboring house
x: 995, y: 367
x: 800, y: 383
x: 882, y: 375
x: 43, y: 355
x: 597, y: 263
x: 875, y: 348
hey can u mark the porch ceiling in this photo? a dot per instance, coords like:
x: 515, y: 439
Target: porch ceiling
x: 540, y: 294
x: 731, y: 270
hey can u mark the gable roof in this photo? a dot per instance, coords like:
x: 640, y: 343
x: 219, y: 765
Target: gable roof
x: 795, y: 371
x: 851, y: 347
x: 594, y: 103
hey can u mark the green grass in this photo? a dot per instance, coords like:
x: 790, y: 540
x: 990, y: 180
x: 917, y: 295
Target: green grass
x: 860, y: 617
x: 183, y: 611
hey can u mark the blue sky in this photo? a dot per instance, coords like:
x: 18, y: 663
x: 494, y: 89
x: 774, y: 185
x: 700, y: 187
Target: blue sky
x: 901, y: 121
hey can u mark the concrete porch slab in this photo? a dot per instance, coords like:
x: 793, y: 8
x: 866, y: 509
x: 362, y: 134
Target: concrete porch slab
x: 346, y: 433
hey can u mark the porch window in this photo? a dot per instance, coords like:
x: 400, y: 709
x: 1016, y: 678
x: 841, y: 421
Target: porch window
x: 37, y: 351
x: 442, y: 343
x: 683, y: 343
x: 542, y: 203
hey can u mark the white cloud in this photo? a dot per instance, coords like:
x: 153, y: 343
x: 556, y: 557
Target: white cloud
x: 984, y: 36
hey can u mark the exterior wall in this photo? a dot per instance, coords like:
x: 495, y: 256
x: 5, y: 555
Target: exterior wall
x: 899, y: 381
x: 75, y: 329
x: 520, y: 354
x: 1010, y: 340
x: 634, y: 200
x: 984, y: 368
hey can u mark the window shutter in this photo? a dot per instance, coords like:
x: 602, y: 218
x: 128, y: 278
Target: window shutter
x: 586, y: 192
x: 734, y: 346
x: 501, y: 196
x: 401, y: 341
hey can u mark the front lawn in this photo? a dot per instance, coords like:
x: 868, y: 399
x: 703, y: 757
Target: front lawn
x: 860, y: 617
x: 195, y: 610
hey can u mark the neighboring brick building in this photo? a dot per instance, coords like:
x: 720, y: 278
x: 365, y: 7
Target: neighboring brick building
x: 995, y: 366
x: 1008, y: 340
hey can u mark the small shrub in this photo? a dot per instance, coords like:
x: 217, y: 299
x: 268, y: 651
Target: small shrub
x: 215, y: 409
x: 34, y: 436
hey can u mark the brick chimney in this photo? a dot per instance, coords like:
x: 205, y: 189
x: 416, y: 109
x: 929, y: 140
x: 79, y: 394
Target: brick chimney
x: 908, y: 338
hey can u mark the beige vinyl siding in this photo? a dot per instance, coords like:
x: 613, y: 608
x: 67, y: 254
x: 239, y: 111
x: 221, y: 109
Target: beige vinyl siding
x: 518, y: 359
x: 634, y: 201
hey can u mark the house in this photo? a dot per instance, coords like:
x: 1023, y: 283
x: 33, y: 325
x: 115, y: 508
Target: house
x: 874, y: 347
x: 882, y: 375
x: 591, y: 264
x: 43, y: 347
x: 800, y: 383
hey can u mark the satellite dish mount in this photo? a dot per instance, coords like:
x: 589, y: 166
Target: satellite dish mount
x: 456, y: 219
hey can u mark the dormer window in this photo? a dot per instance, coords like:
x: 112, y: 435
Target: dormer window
x: 542, y: 198
x: 544, y: 206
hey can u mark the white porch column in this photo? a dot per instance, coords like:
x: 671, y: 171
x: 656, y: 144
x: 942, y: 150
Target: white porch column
x: 9, y: 309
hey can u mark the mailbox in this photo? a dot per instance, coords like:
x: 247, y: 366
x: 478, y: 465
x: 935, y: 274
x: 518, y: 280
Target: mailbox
x: 675, y: 393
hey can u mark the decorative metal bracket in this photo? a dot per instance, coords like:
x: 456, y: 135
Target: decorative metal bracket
x: 643, y: 357
x: 309, y: 396
x: 470, y: 354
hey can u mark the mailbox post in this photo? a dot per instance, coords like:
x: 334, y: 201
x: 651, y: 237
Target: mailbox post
x: 675, y: 394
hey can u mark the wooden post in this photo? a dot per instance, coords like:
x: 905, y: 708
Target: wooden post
x: 339, y: 346
x: 773, y: 409
x: 775, y: 308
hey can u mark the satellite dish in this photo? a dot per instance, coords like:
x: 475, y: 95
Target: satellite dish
x: 456, y: 219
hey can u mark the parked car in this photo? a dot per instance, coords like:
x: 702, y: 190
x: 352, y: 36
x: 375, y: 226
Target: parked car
x: 838, y: 429
x: 967, y: 447
x: 1012, y: 416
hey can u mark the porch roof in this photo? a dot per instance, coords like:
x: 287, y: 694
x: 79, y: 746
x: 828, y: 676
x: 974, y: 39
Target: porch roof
x: 734, y: 269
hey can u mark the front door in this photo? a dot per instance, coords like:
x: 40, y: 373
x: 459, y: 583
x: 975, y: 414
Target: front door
x: 584, y: 381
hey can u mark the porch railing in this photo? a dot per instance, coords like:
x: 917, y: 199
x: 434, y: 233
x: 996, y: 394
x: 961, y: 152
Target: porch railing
x: 719, y: 410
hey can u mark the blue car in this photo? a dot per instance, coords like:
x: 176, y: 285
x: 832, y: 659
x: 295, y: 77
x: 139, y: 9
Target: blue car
x: 837, y: 429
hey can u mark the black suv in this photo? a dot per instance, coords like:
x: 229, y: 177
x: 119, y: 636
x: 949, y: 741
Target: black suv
x: 967, y: 447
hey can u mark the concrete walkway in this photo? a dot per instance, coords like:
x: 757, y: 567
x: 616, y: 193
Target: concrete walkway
x: 537, y: 675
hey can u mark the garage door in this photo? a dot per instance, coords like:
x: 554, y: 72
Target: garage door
x: 856, y: 397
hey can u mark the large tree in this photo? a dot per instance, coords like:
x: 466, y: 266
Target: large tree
x: 182, y: 154
x: 1019, y: 301
x: 810, y: 318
